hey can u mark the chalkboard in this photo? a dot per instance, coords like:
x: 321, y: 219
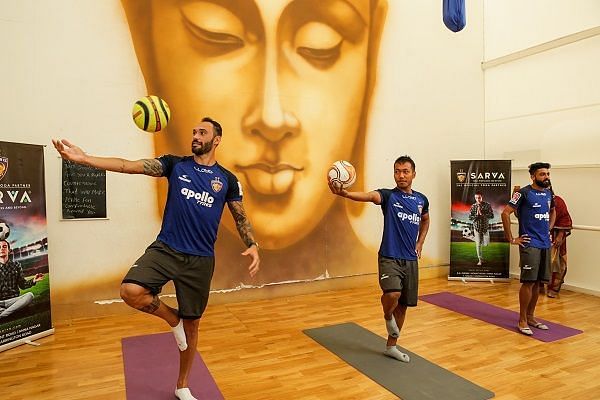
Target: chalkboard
x: 83, y: 191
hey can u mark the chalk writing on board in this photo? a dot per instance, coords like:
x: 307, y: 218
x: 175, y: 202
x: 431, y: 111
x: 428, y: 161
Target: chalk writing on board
x: 83, y: 191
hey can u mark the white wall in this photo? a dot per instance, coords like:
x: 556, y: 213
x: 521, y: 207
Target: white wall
x: 66, y: 73
x: 546, y: 107
x: 429, y: 105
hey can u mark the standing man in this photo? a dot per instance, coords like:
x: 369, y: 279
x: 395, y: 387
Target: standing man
x: 405, y: 225
x: 561, y: 229
x: 11, y: 280
x: 184, y: 251
x: 535, y: 207
x: 481, y: 213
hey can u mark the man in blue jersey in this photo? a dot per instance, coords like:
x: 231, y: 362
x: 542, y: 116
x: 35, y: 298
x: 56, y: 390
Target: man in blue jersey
x: 184, y: 250
x: 534, y: 206
x: 405, y: 225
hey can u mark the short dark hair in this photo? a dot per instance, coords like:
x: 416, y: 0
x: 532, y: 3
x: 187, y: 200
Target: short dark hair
x: 538, y: 165
x: 216, y: 126
x: 8, y: 243
x: 405, y: 159
x: 478, y: 192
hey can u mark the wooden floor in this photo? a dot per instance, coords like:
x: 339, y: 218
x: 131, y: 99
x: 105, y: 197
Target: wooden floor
x: 256, y: 350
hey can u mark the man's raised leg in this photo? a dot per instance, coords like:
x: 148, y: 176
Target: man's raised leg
x: 142, y: 299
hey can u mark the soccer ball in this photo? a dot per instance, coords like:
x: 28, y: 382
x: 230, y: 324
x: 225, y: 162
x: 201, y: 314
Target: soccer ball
x: 342, y: 174
x: 4, y: 230
x: 466, y: 232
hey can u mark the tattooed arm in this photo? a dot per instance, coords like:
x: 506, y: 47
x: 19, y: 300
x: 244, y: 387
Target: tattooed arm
x: 245, y: 230
x: 71, y: 152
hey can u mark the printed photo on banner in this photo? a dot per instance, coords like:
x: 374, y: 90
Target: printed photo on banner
x: 480, y: 190
x: 24, y: 273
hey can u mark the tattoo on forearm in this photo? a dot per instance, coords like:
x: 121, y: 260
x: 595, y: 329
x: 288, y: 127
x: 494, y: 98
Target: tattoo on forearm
x: 241, y: 222
x: 153, y: 167
x: 152, y: 307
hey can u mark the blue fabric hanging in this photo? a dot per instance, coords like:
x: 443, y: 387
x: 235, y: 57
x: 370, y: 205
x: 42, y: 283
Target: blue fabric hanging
x: 455, y: 17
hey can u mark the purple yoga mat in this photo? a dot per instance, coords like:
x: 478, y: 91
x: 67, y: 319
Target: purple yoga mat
x: 151, y: 364
x: 506, y: 319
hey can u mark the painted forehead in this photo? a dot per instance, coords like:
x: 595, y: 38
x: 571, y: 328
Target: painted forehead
x: 353, y: 12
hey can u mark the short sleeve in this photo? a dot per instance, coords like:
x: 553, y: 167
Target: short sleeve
x: 517, y: 198
x: 234, y: 187
x: 425, y: 205
x: 385, y: 196
x: 168, y: 161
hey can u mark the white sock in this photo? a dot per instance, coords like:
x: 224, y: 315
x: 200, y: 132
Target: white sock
x: 392, y: 328
x: 179, y: 333
x: 392, y: 351
x: 184, y: 394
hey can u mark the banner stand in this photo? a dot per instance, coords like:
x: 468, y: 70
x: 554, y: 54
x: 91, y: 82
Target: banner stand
x: 480, y: 189
x: 27, y: 340
x: 25, y: 312
x: 465, y: 279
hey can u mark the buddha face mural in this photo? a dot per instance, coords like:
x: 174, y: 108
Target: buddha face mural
x: 289, y: 81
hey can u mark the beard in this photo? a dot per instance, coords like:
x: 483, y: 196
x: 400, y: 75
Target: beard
x: 202, y: 148
x: 544, y: 183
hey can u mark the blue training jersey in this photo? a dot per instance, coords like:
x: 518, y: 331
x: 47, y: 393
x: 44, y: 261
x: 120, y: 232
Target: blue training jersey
x: 195, y: 201
x: 402, y: 214
x: 533, y: 210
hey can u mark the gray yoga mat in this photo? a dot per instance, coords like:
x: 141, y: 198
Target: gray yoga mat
x: 418, y: 379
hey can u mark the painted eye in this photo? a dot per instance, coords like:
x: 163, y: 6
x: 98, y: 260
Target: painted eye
x: 214, y: 25
x: 319, y: 44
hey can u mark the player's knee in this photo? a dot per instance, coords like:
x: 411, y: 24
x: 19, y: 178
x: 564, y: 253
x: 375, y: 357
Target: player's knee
x: 191, y: 327
x: 27, y: 298
x: 132, y: 294
x: 392, y: 296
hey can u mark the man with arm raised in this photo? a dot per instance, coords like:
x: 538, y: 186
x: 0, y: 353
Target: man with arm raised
x: 405, y: 226
x: 184, y: 250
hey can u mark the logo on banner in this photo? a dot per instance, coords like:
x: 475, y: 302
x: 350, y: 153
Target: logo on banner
x: 461, y: 176
x: 216, y: 184
x: 3, y: 166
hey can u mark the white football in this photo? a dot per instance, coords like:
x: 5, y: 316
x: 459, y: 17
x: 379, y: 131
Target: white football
x: 342, y: 173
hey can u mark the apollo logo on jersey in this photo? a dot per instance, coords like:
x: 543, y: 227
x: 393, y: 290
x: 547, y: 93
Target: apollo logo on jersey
x: 412, y: 218
x: 204, y: 198
x: 543, y: 217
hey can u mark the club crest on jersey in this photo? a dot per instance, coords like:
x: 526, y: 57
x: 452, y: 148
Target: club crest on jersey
x: 216, y: 184
x: 461, y: 176
x: 3, y: 166
x: 420, y: 207
x: 515, y: 198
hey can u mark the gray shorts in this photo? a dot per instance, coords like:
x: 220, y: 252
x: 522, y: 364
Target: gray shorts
x: 396, y: 275
x: 534, y: 264
x: 190, y: 274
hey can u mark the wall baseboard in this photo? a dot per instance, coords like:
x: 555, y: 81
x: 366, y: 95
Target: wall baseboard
x: 572, y: 288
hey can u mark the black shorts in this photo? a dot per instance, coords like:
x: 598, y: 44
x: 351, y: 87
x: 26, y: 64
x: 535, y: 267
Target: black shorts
x: 396, y: 275
x: 534, y: 264
x: 190, y: 274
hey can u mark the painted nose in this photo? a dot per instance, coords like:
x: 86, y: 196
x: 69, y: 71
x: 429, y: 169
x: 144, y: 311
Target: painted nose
x: 269, y: 119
